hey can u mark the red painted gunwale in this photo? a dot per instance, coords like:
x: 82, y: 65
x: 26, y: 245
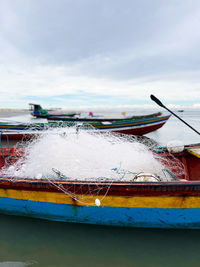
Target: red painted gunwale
x: 182, y: 188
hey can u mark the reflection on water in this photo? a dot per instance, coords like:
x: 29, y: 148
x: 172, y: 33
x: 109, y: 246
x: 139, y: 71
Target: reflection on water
x: 45, y: 243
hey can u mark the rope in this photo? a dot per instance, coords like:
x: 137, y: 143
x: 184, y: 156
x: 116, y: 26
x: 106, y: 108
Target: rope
x: 6, y: 163
x: 2, y: 148
x: 8, y: 147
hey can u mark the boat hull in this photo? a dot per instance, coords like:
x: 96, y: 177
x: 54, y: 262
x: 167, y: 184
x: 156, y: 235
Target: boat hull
x: 135, y: 127
x: 66, y: 115
x: 149, y: 205
x: 116, y: 203
x: 110, y: 216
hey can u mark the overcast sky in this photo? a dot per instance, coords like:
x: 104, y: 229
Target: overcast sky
x: 99, y: 52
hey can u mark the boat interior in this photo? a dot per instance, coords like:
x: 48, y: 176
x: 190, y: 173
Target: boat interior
x: 189, y: 158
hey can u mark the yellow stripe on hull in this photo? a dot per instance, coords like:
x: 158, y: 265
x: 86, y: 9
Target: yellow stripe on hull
x: 109, y: 201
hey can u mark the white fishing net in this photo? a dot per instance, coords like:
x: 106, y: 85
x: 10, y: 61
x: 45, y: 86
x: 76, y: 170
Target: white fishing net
x: 65, y: 153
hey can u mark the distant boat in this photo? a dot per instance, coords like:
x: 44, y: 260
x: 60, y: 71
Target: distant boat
x: 39, y: 112
x: 150, y: 203
x: 135, y: 125
x: 180, y: 110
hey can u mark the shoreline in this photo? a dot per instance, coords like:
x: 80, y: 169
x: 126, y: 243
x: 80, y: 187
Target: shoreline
x: 13, y: 113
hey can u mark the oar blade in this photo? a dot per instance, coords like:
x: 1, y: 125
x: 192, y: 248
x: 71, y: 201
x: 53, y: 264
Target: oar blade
x: 155, y: 99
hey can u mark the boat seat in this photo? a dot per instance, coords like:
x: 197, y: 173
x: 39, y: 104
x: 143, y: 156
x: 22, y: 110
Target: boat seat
x: 194, y: 151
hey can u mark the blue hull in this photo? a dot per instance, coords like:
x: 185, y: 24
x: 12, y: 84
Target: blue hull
x: 113, y: 216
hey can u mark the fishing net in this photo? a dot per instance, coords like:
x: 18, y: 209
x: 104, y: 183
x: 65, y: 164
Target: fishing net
x: 72, y: 154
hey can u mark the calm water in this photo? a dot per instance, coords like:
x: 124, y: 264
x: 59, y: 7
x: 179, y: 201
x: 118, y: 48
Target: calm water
x: 32, y: 242
x: 174, y: 129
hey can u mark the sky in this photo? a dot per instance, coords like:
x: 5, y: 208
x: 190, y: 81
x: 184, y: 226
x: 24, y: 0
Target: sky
x: 77, y: 53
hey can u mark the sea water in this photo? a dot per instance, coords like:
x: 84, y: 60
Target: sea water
x: 34, y: 242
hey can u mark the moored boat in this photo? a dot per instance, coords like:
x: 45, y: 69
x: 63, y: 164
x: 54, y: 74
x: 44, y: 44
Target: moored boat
x: 38, y: 112
x: 154, y: 203
x: 136, y: 125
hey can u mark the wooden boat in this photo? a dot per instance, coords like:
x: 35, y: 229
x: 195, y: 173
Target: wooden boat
x: 157, y: 204
x: 137, y: 125
x: 38, y: 112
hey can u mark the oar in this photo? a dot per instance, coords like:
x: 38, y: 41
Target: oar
x: 163, y: 106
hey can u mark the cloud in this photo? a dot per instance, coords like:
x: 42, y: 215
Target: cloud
x: 99, y: 51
